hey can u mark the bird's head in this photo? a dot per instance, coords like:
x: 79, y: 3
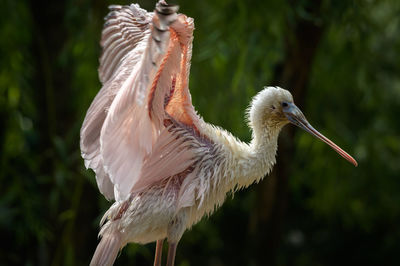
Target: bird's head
x: 273, y: 107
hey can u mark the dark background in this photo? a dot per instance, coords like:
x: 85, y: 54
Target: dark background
x: 341, y: 61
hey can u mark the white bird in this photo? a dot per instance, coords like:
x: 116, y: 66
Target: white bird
x: 152, y: 153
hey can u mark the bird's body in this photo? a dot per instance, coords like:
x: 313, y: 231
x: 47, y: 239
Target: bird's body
x: 223, y: 164
x: 165, y: 167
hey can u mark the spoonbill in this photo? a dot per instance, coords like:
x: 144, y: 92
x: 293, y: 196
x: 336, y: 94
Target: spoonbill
x: 152, y: 153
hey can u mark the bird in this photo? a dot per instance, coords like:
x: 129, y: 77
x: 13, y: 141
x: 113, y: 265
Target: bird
x: 152, y: 153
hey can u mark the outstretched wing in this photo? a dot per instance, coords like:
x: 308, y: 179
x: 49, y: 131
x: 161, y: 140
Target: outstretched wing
x: 122, y: 22
x: 131, y: 133
x: 125, y: 29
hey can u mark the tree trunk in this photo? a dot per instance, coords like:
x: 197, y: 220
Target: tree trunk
x: 268, y: 217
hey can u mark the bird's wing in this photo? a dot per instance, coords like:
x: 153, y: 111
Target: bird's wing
x: 125, y: 34
x: 125, y: 29
x: 143, y: 107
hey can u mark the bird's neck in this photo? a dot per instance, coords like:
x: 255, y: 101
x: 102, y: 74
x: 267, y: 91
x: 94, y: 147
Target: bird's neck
x: 260, y: 159
x: 239, y: 164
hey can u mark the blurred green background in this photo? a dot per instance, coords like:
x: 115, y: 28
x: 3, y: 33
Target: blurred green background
x: 340, y: 59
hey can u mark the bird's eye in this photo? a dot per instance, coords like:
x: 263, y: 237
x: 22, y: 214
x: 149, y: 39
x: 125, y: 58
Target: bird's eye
x: 272, y: 107
x: 284, y: 104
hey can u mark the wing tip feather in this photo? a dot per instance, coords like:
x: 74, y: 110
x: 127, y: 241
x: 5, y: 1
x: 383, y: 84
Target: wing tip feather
x: 114, y: 7
x: 165, y: 9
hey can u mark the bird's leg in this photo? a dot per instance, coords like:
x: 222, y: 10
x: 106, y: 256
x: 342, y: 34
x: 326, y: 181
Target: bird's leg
x: 171, y: 253
x: 157, y: 256
x: 175, y: 231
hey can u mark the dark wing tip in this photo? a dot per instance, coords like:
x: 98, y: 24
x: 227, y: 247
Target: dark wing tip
x: 165, y: 16
x: 163, y: 8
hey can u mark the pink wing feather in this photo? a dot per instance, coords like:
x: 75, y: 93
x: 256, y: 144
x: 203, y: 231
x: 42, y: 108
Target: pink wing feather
x: 144, y: 70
